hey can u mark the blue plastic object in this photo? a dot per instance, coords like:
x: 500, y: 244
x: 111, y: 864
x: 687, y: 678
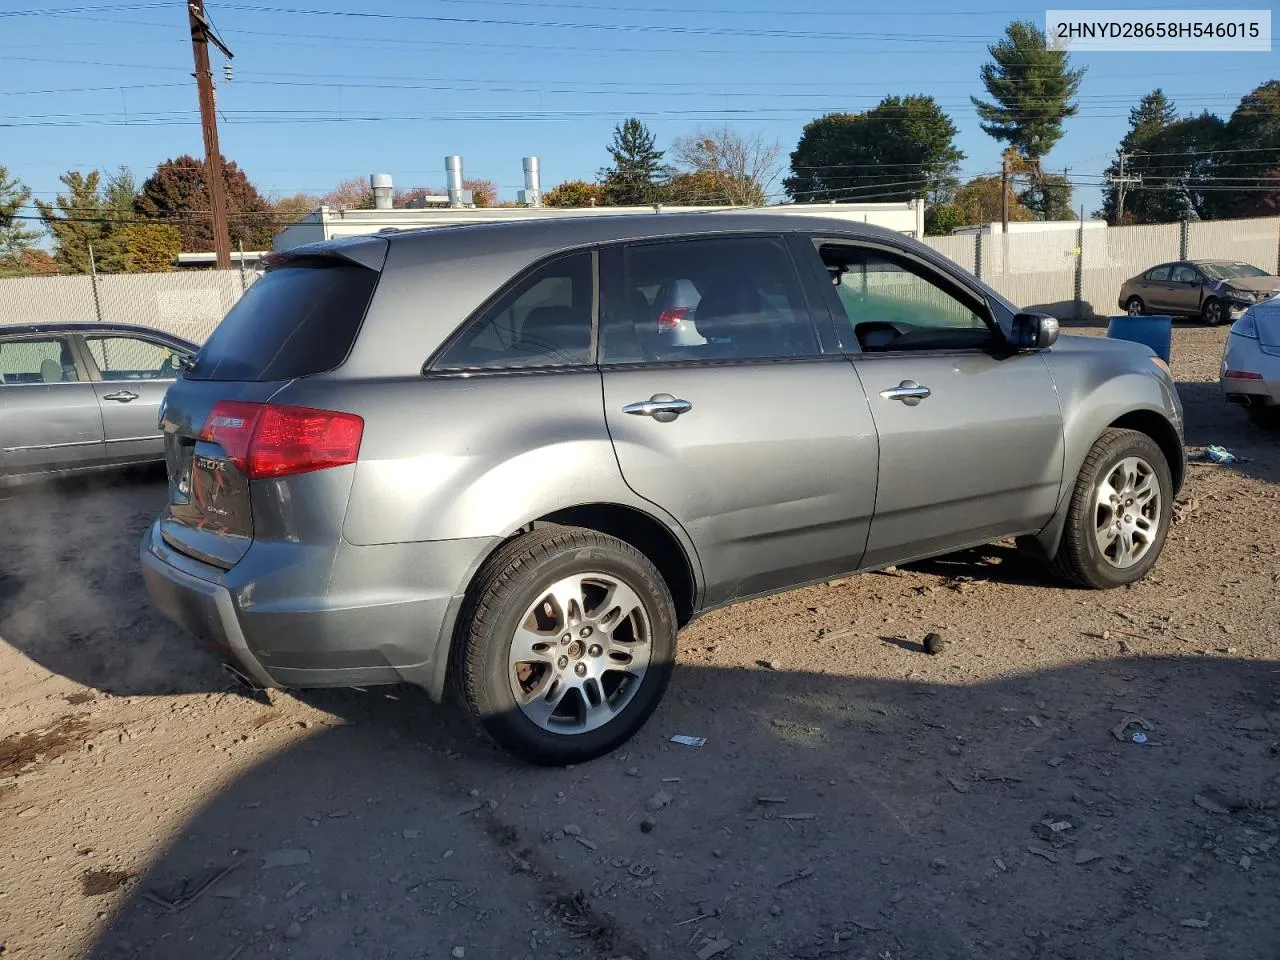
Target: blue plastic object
x: 1156, y: 332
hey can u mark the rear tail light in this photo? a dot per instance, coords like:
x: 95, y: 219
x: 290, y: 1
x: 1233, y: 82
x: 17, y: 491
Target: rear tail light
x: 670, y: 318
x: 1242, y: 375
x: 266, y: 440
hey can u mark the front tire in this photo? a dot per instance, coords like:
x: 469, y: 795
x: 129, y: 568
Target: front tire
x: 1119, y: 512
x: 1134, y: 307
x: 1212, y: 312
x: 566, y: 645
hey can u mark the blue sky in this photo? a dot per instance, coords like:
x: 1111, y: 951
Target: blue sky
x: 330, y: 91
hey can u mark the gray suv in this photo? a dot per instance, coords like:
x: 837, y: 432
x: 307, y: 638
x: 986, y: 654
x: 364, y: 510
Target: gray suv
x: 469, y: 455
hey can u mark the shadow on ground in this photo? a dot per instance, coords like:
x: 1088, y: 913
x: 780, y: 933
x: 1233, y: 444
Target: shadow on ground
x: 1211, y: 420
x: 900, y: 819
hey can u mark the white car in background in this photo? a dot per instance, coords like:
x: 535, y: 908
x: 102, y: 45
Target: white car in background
x: 1251, y: 362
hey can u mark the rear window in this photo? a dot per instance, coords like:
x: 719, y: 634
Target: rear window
x: 299, y: 319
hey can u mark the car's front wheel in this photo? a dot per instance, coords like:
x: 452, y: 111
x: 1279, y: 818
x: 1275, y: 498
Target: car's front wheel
x: 1212, y: 312
x: 1119, y: 512
x: 1134, y: 307
x: 567, y: 643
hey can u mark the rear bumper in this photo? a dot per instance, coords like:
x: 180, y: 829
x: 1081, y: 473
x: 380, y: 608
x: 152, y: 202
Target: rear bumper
x: 289, y: 615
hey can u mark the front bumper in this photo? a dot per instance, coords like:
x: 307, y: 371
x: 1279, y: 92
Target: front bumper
x: 295, y: 616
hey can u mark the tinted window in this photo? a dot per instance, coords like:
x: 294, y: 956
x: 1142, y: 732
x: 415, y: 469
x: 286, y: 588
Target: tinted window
x: 730, y: 298
x: 128, y: 358
x: 299, y: 319
x: 1185, y: 274
x: 544, y: 320
x: 893, y: 303
x: 37, y: 361
x: 1232, y: 271
x: 1159, y: 273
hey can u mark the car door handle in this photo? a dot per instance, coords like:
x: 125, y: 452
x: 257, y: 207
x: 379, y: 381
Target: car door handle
x: 663, y: 407
x: 124, y: 396
x: 908, y: 391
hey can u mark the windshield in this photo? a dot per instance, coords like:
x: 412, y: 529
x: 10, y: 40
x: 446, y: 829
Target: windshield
x: 1230, y: 271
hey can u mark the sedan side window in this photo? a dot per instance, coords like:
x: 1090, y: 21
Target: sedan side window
x: 1160, y: 274
x: 726, y: 298
x: 1185, y: 274
x: 128, y: 358
x: 893, y: 303
x: 542, y: 321
x: 37, y: 361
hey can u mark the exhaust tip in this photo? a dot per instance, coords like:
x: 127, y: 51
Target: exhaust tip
x: 243, y: 679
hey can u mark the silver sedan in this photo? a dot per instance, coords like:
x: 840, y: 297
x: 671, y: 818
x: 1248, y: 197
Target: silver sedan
x: 1251, y: 362
x: 83, y: 396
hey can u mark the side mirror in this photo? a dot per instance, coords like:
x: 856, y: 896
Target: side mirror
x: 1034, y: 331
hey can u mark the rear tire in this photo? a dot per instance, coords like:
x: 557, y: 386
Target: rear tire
x: 1113, y: 542
x: 1134, y: 307
x: 1212, y: 312
x: 599, y: 637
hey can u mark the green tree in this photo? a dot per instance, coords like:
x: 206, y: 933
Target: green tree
x: 176, y: 193
x: 15, y: 236
x: 141, y: 248
x: 574, y: 193
x: 901, y: 149
x: 120, y: 194
x: 1255, y: 122
x: 1030, y: 87
x: 1153, y: 114
x: 638, y: 171
x: 1048, y: 197
x: 76, y: 219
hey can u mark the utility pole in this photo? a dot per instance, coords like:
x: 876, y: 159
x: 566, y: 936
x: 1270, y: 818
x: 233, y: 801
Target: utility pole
x: 1120, y: 181
x: 201, y: 34
x: 1004, y: 193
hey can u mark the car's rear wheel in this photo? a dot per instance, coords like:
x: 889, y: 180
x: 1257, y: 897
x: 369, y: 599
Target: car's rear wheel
x: 1212, y: 312
x: 567, y: 644
x: 1119, y: 512
x: 1134, y: 307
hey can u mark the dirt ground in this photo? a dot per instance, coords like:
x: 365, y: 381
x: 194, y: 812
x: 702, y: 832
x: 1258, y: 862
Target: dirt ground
x: 861, y: 800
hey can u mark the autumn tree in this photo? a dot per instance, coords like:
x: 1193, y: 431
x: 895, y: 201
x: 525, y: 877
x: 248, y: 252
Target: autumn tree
x: 574, y: 193
x: 484, y: 193
x: 291, y: 209
x: 176, y: 193
x: 402, y: 198
x: 692, y: 187
x: 975, y: 203
x: 1048, y: 197
x: 901, y: 149
x: 638, y: 170
x: 77, y: 220
x: 139, y: 247
x: 15, y: 236
x: 354, y: 193
x: 740, y: 168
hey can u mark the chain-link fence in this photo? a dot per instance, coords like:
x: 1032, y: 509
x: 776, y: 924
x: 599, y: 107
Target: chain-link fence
x: 1071, y: 274
x: 187, y: 304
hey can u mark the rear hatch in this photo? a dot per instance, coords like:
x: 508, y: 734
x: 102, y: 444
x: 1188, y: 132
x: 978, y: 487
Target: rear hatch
x: 224, y: 437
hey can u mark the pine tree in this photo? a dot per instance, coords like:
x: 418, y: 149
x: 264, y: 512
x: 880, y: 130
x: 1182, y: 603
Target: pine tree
x: 15, y: 236
x: 638, y: 171
x: 1031, y: 88
x: 76, y: 219
x: 1153, y: 115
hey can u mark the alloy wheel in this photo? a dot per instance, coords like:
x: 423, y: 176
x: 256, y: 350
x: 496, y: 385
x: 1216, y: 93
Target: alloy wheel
x: 580, y: 653
x: 1127, y: 512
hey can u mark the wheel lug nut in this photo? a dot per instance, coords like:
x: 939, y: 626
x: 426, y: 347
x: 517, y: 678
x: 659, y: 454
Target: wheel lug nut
x: 580, y: 669
x: 563, y: 662
x: 596, y: 650
x: 584, y: 632
x: 566, y: 638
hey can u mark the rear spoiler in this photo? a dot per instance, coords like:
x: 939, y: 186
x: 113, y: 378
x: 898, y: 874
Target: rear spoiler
x: 365, y: 251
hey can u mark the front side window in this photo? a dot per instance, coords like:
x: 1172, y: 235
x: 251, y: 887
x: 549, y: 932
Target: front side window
x: 893, y: 303
x: 1185, y: 274
x: 722, y: 298
x: 544, y: 320
x: 1160, y: 274
x: 37, y: 361
x: 1233, y: 271
x: 128, y: 358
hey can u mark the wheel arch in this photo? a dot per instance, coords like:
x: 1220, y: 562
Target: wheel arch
x: 676, y: 562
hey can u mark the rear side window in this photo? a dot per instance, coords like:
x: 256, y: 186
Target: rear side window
x: 297, y: 320
x: 36, y: 361
x: 544, y: 320
x: 1160, y: 273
